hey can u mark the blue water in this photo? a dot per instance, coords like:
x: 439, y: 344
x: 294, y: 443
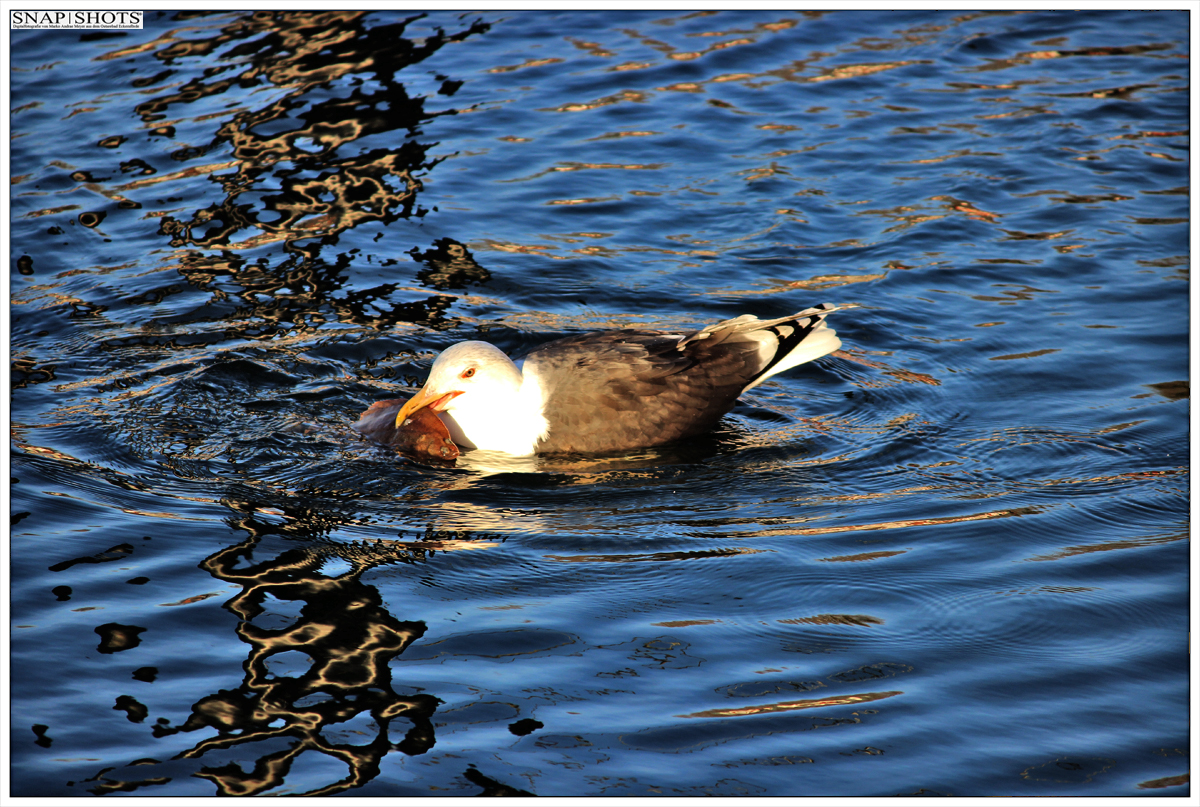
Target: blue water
x: 950, y: 559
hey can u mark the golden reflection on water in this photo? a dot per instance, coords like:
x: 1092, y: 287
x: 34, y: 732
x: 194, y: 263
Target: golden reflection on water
x: 790, y: 706
x: 1172, y: 390
x: 658, y: 556
x: 817, y: 282
x: 1166, y: 781
x: 685, y: 623
x: 1031, y: 354
x: 857, y: 620
x: 527, y: 63
x: 567, y: 167
x: 858, y: 356
x: 1109, y: 546
x: 861, y: 557
x: 1012, y: 512
x: 857, y: 70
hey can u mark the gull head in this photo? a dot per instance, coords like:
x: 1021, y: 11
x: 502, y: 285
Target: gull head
x: 469, y: 377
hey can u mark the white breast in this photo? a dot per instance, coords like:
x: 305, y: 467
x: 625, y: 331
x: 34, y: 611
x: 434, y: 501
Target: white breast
x: 512, y: 421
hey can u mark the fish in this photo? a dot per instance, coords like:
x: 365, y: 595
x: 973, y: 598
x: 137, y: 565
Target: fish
x: 421, y: 435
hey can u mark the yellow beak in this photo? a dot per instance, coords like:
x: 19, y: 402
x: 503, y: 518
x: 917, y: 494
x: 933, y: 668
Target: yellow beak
x: 423, y: 399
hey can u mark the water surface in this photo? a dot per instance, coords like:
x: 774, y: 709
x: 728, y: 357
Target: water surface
x: 950, y: 559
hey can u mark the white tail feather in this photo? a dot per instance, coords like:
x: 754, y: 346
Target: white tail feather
x: 821, y: 341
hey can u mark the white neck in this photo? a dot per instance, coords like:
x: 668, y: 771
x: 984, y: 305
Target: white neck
x: 508, y: 419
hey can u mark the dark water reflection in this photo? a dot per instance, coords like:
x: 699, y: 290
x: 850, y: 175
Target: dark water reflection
x: 950, y: 559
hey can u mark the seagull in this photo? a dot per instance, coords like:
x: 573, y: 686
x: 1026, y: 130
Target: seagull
x: 612, y: 391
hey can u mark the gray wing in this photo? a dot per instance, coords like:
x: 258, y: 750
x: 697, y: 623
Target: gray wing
x: 618, y: 390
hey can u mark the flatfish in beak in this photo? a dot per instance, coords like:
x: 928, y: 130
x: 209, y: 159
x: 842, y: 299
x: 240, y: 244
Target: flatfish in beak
x: 421, y: 435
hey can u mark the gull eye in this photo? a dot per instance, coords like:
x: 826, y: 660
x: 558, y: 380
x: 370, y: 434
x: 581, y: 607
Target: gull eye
x: 467, y: 373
